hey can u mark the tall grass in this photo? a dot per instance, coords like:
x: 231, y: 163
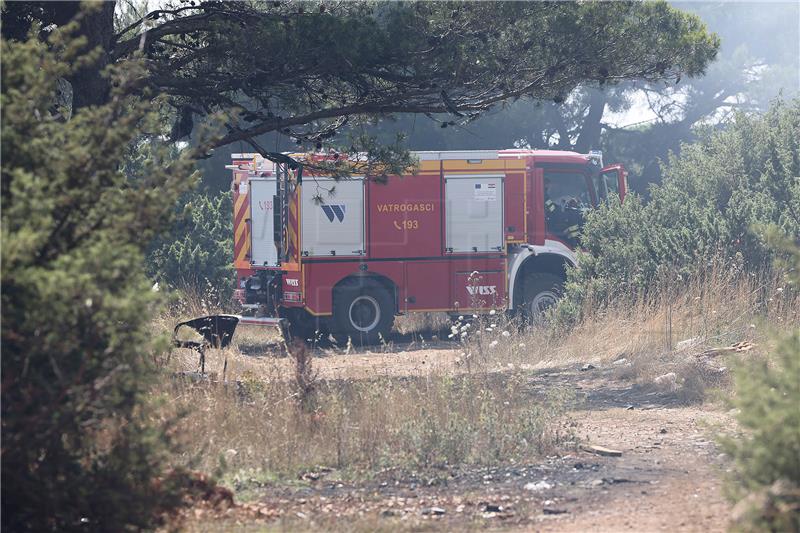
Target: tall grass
x: 365, y: 425
x: 653, y: 335
x: 481, y: 410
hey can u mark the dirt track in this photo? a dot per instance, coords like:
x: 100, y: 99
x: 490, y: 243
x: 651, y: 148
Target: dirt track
x: 667, y: 478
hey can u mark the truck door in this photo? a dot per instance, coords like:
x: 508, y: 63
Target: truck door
x: 568, y: 195
x: 613, y: 181
x: 263, y: 249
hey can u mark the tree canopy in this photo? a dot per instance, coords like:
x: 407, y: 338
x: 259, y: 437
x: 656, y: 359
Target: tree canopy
x: 305, y: 68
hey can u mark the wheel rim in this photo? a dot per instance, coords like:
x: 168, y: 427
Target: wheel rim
x: 542, y: 302
x: 364, y: 313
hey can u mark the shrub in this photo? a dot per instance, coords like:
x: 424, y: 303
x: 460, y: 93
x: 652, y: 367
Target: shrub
x: 77, y: 451
x: 713, y: 196
x: 197, y: 253
x: 766, y: 477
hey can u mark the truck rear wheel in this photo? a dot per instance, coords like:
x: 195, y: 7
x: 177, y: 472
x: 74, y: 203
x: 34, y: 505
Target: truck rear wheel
x: 362, y: 311
x: 541, y: 293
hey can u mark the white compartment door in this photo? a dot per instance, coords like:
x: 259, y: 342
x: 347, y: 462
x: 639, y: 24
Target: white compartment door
x: 332, y: 223
x: 263, y: 251
x: 474, y: 206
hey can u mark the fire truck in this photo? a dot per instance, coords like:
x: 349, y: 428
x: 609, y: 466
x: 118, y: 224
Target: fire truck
x: 465, y: 232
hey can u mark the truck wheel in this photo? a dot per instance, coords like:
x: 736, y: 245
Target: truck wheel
x: 362, y: 311
x: 541, y: 292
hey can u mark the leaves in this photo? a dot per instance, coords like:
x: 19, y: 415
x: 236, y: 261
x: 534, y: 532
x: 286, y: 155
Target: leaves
x: 715, y: 198
x: 76, y: 446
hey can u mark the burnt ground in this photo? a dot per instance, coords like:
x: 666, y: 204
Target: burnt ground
x: 667, y: 478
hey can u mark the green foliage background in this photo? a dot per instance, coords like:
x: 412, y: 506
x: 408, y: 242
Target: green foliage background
x: 715, y: 196
x: 196, y: 255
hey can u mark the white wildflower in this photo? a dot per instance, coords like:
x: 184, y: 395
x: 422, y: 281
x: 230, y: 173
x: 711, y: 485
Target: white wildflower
x: 492, y: 344
x: 492, y: 312
x: 506, y: 334
x: 155, y: 287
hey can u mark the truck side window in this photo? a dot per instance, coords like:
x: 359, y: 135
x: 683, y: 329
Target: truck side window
x: 611, y: 179
x: 566, y: 199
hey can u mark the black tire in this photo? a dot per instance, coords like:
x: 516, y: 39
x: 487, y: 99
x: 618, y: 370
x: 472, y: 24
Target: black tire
x: 540, y: 293
x: 363, y: 311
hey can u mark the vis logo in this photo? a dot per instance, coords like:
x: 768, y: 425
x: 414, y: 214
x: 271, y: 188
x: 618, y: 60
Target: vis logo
x: 334, y: 211
x: 483, y: 290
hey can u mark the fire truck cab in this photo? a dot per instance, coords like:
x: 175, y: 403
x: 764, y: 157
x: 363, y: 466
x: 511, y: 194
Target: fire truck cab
x: 468, y: 232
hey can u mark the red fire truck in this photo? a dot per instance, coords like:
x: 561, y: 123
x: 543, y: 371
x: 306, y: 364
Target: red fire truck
x: 467, y: 232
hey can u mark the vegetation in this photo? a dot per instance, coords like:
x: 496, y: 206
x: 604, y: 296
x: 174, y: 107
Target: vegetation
x: 195, y: 256
x: 715, y: 197
x: 351, y: 59
x: 77, y: 448
x: 360, y: 427
x: 81, y: 226
x: 766, y: 478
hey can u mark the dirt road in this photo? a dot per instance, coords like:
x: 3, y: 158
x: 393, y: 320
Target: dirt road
x: 667, y: 478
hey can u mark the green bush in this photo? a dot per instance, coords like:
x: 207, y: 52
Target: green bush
x: 713, y: 196
x: 77, y: 451
x: 766, y: 456
x: 197, y: 254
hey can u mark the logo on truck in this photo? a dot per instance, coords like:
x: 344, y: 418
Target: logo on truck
x: 334, y: 211
x: 483, y: 290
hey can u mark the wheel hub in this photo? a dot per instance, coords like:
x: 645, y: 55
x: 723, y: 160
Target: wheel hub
x: 364, y: 313
x: 542, y: 302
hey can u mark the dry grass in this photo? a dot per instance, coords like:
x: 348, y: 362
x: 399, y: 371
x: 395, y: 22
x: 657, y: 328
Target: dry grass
x: 467, y: 402
x: 258, y: 429
x: 649, y: 341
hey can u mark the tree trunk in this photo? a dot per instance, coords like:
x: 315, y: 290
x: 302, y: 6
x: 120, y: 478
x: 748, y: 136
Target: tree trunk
x: 589, y: 137
x: 89, y: 87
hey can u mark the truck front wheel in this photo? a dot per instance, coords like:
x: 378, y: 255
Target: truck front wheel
x: 362, y: 311
x: 541, y: 292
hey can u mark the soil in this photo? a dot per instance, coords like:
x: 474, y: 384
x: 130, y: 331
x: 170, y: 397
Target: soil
x: 667, y: 478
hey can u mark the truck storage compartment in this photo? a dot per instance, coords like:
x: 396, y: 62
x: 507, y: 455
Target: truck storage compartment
x: 479, y: 289
x: 427, y: 286
x: 263, y: 250
x: 405, y: 217
x: 474, y: 213
x: 332, y: 214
